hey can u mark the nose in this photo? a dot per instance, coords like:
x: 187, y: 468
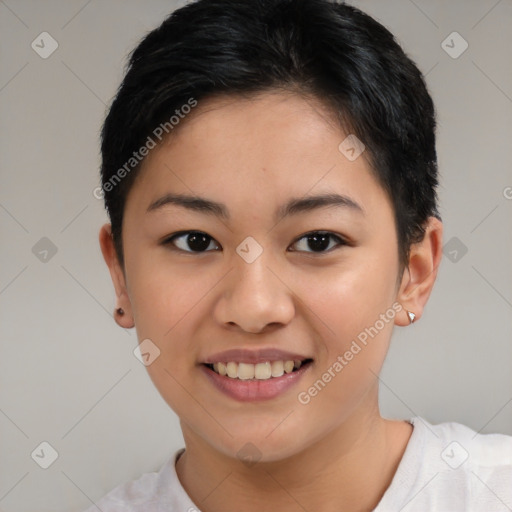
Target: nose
x: 255, y: 297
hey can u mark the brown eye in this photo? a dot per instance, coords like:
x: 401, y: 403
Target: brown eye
x: 196, y: 242
x: 191, y: 241
x: 320, y: 241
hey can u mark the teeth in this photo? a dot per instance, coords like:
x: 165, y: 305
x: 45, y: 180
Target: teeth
x: 232, y: 369
x: 262, y: 371
x: 288, y: 366
x: 245, y: 371
x: 259, y: 371
x: 277, y: 368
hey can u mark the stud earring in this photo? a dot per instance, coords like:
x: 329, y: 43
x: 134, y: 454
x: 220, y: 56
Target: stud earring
x: 120, y: 311
x: 411, y: 316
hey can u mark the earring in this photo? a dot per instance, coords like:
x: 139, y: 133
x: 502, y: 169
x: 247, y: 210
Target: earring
x: 120, y: 311
x: 411, y: 316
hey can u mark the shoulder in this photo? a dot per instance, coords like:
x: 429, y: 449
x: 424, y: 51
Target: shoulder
x: 461, y: 445
x: 151, y: 492
x: 478, y: 467
x: 449, y: 466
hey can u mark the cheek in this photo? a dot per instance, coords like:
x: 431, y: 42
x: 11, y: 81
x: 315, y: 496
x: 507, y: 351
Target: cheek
x: 164, y: 302
x: 162, y: 294
x: 347, y: 304
x: 347, y: 309
x: 349, y: 299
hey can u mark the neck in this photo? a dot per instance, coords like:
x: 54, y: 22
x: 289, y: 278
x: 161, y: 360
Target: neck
x: 349, y: 469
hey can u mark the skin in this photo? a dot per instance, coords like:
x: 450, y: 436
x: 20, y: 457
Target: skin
x: 337, y: 452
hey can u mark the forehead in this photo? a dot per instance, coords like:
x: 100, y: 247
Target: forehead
x: 257, y: 119
x: 246, y: 150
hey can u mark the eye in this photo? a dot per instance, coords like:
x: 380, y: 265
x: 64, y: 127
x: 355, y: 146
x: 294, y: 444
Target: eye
x: 197, y: 241
x: 318, y: 241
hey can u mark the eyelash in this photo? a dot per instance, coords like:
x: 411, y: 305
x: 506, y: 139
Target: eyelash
x: 341, y: 242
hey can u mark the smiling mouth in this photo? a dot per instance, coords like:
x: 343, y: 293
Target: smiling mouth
x: 260, y: 371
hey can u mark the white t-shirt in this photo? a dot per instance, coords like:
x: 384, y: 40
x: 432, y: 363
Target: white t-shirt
x: 445, y: 468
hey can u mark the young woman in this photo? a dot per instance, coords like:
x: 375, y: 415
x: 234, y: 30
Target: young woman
x: 269, y: 169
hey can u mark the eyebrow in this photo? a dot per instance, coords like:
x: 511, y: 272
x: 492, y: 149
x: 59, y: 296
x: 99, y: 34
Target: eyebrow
x: 292, y: 207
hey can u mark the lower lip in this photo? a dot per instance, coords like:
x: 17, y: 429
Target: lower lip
x: 255, y: 390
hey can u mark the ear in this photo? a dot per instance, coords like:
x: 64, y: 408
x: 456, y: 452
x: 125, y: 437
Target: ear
x: 420, y: 275
x: 118, y: 277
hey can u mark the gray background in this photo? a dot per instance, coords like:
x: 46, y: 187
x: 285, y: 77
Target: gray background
x: 67, y: 372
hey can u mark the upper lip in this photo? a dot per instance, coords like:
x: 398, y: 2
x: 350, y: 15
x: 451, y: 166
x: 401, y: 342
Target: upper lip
x: 240, y: 355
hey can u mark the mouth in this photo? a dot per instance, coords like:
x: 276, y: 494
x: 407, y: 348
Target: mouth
x: 257, y: 382
x: 267, y: 370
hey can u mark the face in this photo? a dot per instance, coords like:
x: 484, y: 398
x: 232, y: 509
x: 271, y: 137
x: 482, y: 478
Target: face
x: 261, y: 277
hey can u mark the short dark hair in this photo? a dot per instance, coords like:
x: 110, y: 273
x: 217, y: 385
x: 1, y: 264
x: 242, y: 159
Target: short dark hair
x: 321, y: 48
